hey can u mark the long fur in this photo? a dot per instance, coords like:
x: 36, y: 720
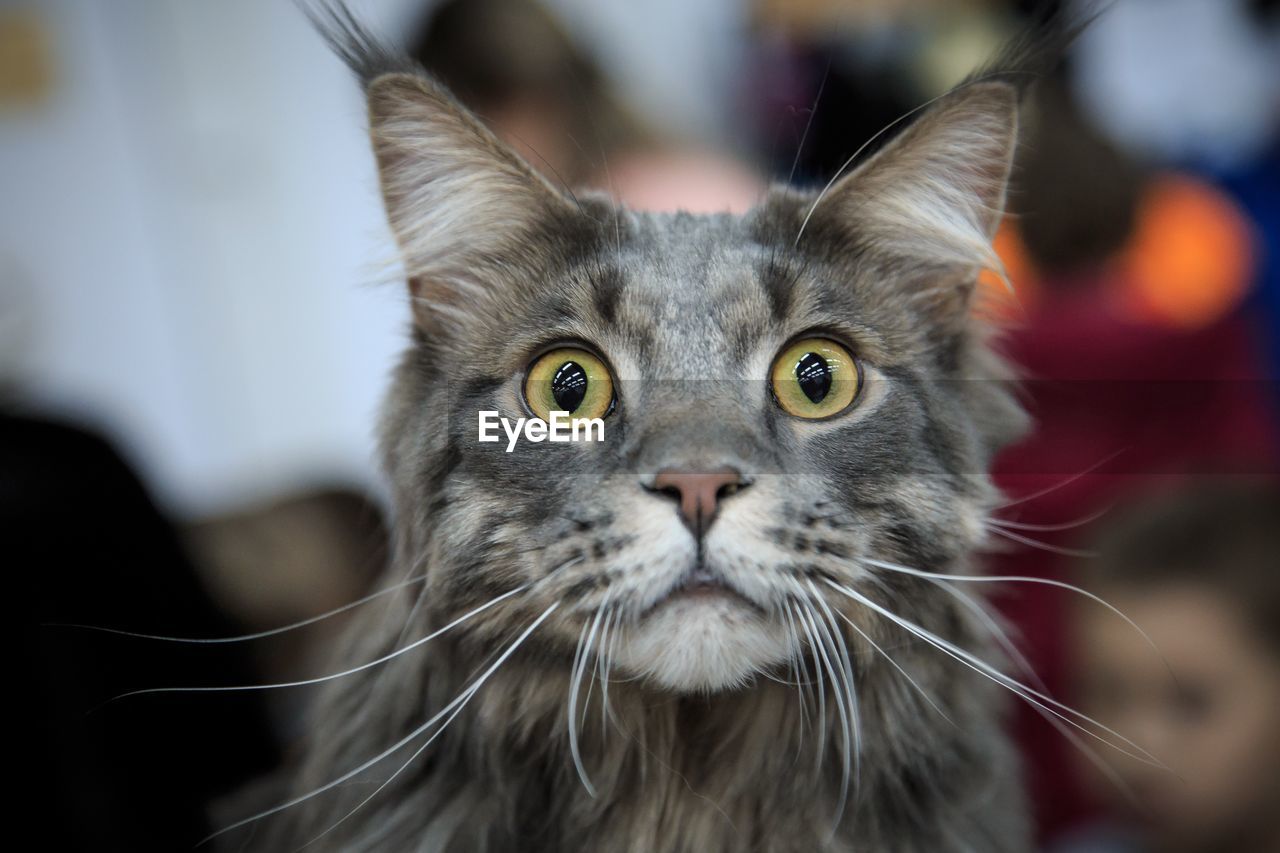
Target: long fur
x: 791, y: 716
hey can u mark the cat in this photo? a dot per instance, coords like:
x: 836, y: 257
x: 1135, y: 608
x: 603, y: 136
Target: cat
x: 716, y: 628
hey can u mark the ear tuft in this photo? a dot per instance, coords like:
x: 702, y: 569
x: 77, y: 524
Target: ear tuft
x: 457, y: 199
x: 461, y: 204
x: 368, y: 56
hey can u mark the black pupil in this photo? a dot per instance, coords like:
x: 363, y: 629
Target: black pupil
x: 814, y: 375
x: 569, y: 386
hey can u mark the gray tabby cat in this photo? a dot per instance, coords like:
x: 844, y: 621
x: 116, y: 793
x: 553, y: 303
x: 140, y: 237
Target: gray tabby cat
x: 709, y: 631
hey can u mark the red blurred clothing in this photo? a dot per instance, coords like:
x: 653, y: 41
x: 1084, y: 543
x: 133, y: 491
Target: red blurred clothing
x: 1136, y: 405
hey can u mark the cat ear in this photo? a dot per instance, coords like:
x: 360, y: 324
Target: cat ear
x: 461, y: 203
x: 936, y: 193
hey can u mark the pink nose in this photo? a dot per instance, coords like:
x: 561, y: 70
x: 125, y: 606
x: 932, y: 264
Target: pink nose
x: 698, y: 491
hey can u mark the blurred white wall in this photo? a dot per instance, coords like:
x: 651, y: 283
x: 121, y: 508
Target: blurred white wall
x: 190, y: 232
x: 1182, y: 80
x: 193, y: 215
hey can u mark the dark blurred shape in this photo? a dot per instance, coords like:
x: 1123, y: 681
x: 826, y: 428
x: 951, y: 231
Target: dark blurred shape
x: 26, y: 59
x: 832, y: 78
x: 1266, y: 11
x: 516, y: 66
x: 825, y: 78
x: 831, y: 102
x: 1197, y: 569
x: 1256, y: 187
x: 461, y: 38
x: 1222, y: 535
x: 1075, y: 194
x: 83, y: 543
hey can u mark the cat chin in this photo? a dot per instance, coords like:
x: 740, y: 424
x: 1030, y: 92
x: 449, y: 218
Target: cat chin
x: 702, y: 646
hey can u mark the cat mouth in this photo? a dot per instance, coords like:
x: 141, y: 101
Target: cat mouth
x: 701, y: 583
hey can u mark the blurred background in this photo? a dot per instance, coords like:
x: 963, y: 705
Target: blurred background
x: 199, y: 310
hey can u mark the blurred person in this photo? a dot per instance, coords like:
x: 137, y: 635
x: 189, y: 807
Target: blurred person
x: 518, y: 68
x: 91, y: 550
x: 1142, y: 365
x: 542, y: 93
x: 84, y: 544
x: 1198, y: 571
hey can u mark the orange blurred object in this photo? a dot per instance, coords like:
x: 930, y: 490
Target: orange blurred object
x: 1190, y: 260
x: 1188, y: 263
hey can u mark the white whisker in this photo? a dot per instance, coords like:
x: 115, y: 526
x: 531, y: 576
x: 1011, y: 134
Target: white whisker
x: 843, y: 650
x: 1090, y: 753
x: 1048, y: 528
x: 797, y: 664
x: 817, y: 630
x: 983, y: 668
x: 323, y: 678
x: 411, y: 617
x: 466, y: 697
x: 575, y: 685
x: 1043, y: 546
x: 1060, y: 485
x: 846, y: 701
x: 395, y: 747
x: 1002, y: 638
x: 602, y: 672
x: 409, y: 620
x: 244, y: 638
x: 923, y: 694
x: 573, y: 673
x: 819, y: 681
x: 573, y: 561
x: 832, y: 628
x: 1019, y: 660
x: 1097, y: 599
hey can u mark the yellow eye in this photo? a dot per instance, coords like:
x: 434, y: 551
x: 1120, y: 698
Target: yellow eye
x: 815, y: 378
x: 569, y: 380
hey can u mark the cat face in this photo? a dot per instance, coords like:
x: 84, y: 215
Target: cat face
x: 784, y: 395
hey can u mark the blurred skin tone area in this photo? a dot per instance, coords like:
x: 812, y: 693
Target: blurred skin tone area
x: 550, y: 100
x: 1217, y: 727
x: 666, y: 178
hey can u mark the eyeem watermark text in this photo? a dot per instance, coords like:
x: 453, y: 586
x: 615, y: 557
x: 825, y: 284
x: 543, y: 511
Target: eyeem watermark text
x: 561, y: 428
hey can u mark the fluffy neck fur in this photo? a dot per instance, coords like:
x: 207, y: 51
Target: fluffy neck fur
x: 725, y: 772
